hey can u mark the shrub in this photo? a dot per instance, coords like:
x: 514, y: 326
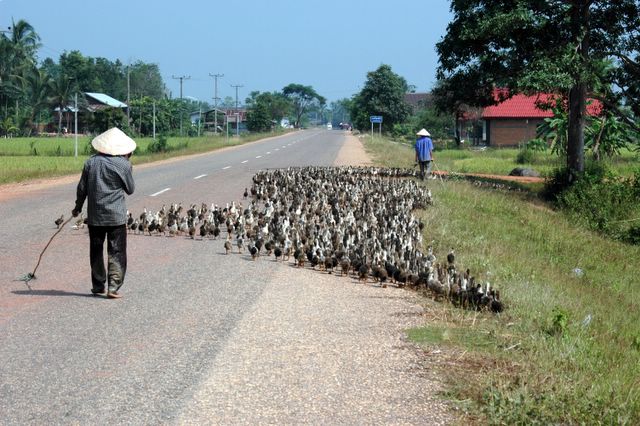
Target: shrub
x: 559, y: 322
x: 538, y: 145
x: 403, y: 132
x: 633, y: 235
x: 599, y: 200
x: 525, y: 156
x: 159, y: 145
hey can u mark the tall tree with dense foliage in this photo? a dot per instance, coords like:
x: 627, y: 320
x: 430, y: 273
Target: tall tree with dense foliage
x: 383, y: 94
x: 17, y: 56
x: 302, y: 98
x: 36, y: 86
x: 276, y: 104
x: 579, y: 49
x: 61, y: 92
x: 340, y: 111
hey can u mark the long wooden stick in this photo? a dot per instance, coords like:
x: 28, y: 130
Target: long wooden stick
x: 33, y: 274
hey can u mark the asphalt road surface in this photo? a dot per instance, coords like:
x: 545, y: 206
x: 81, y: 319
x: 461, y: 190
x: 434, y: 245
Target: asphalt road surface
x: 67, y: 357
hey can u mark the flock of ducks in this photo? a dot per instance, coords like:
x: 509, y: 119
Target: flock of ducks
x: 350, y: 221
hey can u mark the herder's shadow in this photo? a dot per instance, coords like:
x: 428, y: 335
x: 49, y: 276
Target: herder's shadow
x: 50, y: 293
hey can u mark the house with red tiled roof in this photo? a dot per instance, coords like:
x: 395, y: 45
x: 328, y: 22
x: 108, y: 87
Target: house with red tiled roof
x: 512, y: 122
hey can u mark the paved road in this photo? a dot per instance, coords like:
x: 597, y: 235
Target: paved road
x: 69, y: 358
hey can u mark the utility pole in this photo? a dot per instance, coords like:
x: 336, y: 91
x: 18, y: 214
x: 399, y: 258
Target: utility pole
x: 237, y: 114
x: 154, y: 119
x: 75, y: 129
x: 215, y: 101
x: 181, y: 78
x: 128, y: 94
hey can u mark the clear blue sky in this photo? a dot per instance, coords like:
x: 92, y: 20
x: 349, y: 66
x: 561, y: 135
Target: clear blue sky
x: 261, y: 44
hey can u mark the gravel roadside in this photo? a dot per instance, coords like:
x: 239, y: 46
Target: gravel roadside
x: 321, y: 349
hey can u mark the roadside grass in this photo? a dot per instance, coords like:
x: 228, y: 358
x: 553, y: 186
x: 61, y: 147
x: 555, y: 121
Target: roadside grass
x: 567, y: 348
x: 23, y: 159
x: 501, y: 161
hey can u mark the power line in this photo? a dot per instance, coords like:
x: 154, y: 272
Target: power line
x: 237, y: 114
x: 215, y: 100
x: 181, y: 78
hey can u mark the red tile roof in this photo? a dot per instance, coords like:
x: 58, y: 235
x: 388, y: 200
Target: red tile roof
x: 519, y: 106
x: 523, y: 106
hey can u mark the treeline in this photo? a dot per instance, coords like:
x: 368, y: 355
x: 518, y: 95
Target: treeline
x: 32, y: 94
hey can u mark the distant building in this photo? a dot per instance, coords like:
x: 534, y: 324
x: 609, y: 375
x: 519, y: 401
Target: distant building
x: 510, y: 123
x: 91, y: 103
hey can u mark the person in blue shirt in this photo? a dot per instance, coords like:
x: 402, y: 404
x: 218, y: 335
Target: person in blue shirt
x: 424, y: 152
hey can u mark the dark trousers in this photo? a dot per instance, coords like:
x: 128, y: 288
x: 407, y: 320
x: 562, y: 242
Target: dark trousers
x: 116, y: 256
x: 425, y: 164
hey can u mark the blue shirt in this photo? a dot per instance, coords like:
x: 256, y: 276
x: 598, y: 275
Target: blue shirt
x: 424, y: 146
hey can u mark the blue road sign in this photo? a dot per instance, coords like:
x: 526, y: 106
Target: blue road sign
x: 376, y: 119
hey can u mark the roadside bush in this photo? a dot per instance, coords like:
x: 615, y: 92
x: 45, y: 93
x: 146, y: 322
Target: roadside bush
x: 525, y: 156
x: 159, y: 145
x: 403, y: 132
x: 600, y: 200
x: 528, y: 153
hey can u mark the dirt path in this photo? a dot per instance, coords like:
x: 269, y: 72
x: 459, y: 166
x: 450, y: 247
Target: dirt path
x: 506, y: 178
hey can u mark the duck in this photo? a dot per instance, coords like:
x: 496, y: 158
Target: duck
x: 59, y: 221
x: 79, y: 224
x: 254, y: 252
x: 227, y: 245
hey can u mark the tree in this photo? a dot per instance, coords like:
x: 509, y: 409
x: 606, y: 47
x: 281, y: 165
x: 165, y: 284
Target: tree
x: 302, y: 97
x: 383, y: 94
x: 258, y: 119
x: 36, y: 86
x: 81, y: 69
x: 145, y: 80
x: 7, y: 128
x: 340, y: 111
x: 17, y: 56
x: 264, y: 109
x: 227, y: 103
x: 556, y: 46
x: 60, y: 97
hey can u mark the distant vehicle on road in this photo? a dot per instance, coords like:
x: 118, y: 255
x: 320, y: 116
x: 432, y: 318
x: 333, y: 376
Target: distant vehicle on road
x: 329, y: 126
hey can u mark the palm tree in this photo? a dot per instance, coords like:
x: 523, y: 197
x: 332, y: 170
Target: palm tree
x: 17, y: 55
x: 60, y: 96
x: 7, y: 127
x: 25, y: 42
x: 37, y: 86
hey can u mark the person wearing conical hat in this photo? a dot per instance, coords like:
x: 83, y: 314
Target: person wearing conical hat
x: 424, y: 152
x: 106, y: 179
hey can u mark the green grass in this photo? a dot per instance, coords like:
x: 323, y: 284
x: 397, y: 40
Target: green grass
x: 500, y: 160
x: 23, y: 159
x: 541, y: 361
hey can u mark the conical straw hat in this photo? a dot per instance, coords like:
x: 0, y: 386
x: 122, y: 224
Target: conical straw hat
x: 113, y: 142
x: 423, y: 132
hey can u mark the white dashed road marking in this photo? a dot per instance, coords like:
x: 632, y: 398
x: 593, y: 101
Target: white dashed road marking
x: 199, y: 177
x: 259, y: 156
x: 268, y: 152
x: 245, y: 161
x: 225, y: 168
x: 160, y: 192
